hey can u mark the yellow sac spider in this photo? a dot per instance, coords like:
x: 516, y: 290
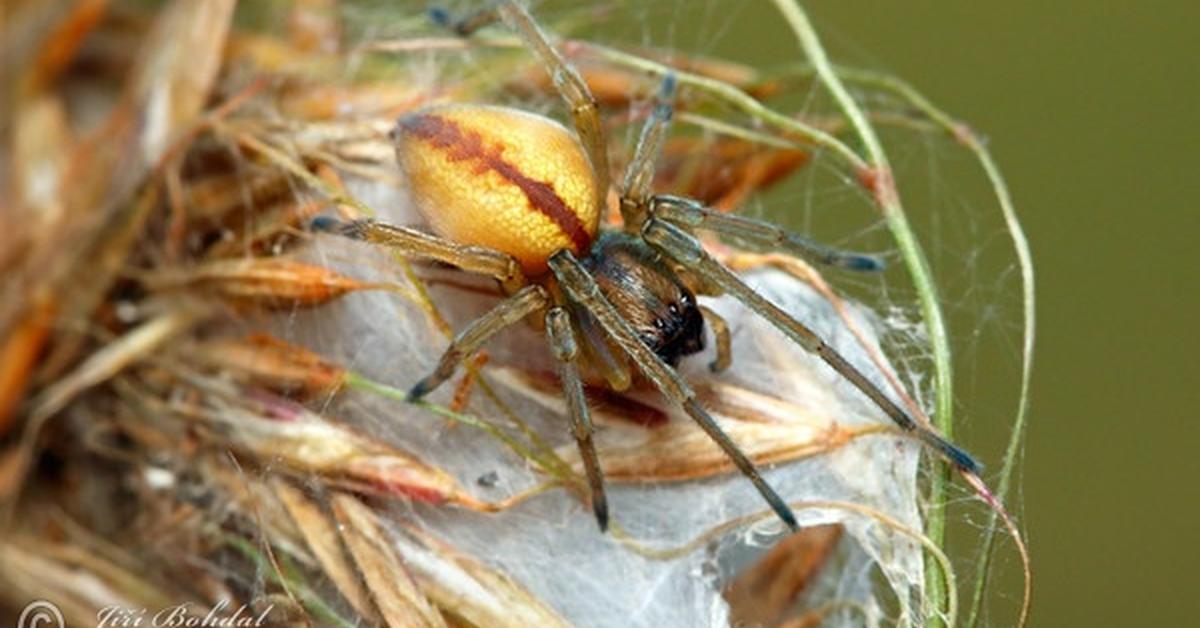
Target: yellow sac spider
x: 518, y: 197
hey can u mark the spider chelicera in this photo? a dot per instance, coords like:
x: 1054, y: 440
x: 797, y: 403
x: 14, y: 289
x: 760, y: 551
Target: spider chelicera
x: 518, y: 197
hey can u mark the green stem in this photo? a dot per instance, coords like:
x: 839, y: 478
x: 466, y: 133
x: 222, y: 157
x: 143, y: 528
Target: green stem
x: 1018, y: 430
x: 1025, y: 259
x: 971, y: 142
x: 734, y: 97
x: 918, y: 265
x: 549, y: 462
x: 309, y: 598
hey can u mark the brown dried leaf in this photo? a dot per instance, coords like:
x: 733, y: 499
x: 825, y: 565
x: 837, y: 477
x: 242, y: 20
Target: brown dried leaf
x: 766, y: 428
x: 135, y: 345
x: 177, y: 68
x: 97, y: 368
x: 321, y: 535
x: 723, y: 173
x: 611, y: 86
x: 60, y: 45
x: 80, y: 582
x: 267, y: 231
x: 314, y: 25
x: 30, y: 245
x: 267, y: 361
x: 682, y: 451
x: 41, y: 147
x: 764, y: 592
x: 467, y: 588
x: 349, y: 102
x: 229, y: 198
x: 19, y: 353
x: 399, y: 599
x: 261, y: 281
x: 601, y: 399
x: 164, y: 95
x: 242, y: 499
x: 274, y: 429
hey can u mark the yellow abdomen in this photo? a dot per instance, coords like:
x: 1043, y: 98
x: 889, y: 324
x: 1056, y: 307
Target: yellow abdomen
x: 500, y: 178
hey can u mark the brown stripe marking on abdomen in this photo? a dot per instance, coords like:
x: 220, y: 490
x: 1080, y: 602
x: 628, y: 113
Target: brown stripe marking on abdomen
x: 463, y: 145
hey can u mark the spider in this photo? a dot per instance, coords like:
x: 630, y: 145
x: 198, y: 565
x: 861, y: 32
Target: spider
x: 518, y: 197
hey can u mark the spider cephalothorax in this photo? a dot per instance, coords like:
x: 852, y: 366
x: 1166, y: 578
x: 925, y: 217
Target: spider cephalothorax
x: 637, y: 281
x: 517, y: 197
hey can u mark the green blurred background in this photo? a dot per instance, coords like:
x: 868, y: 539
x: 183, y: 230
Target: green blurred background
x: 1090, y: 108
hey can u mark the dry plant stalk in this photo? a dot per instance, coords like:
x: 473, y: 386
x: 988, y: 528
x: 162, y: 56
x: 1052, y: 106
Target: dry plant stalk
x: 199, y: 404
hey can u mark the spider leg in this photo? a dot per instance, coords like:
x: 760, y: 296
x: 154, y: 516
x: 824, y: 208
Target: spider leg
x: 582, y: 289
x: 566, y: 350
x: 600, y: 354
x: 721, y: 330
x: 691, y: 215
x: 466, y: 25
x: 416, y: 243
x: 684, y: 249
x: 639, y: 175
x: 526, y: 301
x: 585, y: 113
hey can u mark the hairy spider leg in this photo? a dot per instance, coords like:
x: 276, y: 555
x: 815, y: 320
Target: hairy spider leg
x: 508, y: 312
x: 582, y: 288
x: 639, y: 175
x: 692, y: 215
x: 684, y: 249
x: 566, y: 350
x: 585, y: 112
x: 720, y: 330
x: 526, y: 301
x: 411, y: 242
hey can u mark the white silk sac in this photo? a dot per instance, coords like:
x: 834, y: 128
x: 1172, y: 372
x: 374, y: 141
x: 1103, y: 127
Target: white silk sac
x: 684, y: 523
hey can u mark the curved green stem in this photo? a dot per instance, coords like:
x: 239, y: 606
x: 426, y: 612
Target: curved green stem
x: 734, y: 97
x: 965, y: 136
x: 546, y: 460
x: 879, y: 177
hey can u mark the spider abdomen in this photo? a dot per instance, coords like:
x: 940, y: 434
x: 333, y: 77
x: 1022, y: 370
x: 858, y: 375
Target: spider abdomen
x: 500, y: 178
